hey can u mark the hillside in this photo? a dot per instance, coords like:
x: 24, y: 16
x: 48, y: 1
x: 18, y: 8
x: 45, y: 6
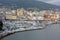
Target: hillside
x: 27, y: 4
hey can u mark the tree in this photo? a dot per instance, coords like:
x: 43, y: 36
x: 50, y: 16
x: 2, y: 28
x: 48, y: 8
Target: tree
x: 1, y: 25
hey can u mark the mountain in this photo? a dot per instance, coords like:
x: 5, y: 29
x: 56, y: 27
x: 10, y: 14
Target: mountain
x: 27, y: 4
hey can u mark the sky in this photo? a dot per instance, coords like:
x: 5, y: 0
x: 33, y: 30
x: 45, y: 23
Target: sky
x: 55, y: 2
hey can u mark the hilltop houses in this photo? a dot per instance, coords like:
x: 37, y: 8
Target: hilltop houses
x: 22, y: 14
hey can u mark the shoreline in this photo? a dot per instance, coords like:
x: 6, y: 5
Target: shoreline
x: 10, y: 33
x: 4, y: 34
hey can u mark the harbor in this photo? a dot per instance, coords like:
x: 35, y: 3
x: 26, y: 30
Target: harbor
x: 52, y: 32
x: 11, y: 27
x: 21, y: 20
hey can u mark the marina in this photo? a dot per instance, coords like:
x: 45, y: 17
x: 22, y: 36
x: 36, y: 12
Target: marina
x: 52, y: 32
x: 21, y: 20
x: 11, y: 27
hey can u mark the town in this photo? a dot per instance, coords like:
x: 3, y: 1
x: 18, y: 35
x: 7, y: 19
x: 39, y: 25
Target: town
x: 26, y: 18
x: 20, y: 20
x: 22, y: 14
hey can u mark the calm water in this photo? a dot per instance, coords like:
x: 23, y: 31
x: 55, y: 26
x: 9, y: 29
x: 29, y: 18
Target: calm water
x: 52, y: 32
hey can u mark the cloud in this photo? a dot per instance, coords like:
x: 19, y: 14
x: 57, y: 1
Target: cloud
x: 55, y: 2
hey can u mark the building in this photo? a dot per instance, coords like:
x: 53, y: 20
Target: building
x: 2, y: 16
x: 51, y: 17
x: 11, y: 17
x: 20, y: 12
x: 54, y: 16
